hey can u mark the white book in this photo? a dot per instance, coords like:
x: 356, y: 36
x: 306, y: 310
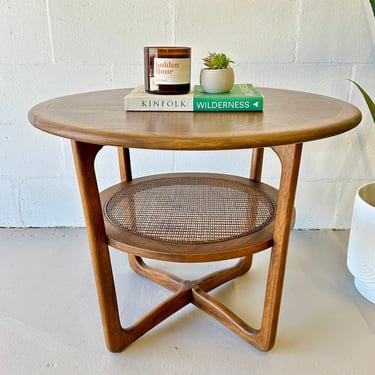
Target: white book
x: 139, y: 100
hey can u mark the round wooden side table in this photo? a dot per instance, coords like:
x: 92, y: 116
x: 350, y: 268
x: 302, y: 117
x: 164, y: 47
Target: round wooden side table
x: 191, y: 217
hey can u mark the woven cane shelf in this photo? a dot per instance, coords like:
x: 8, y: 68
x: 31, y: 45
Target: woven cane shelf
x: 189, y: 215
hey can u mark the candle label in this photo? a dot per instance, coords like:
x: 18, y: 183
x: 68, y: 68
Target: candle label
x: 171, y: 71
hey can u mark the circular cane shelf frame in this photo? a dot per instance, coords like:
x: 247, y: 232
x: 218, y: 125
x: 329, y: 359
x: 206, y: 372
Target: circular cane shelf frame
x: 190, y: 217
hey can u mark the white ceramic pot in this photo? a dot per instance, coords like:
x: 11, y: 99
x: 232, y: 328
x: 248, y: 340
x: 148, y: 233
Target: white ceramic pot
x: 215, y: 81
x: 361, y: 249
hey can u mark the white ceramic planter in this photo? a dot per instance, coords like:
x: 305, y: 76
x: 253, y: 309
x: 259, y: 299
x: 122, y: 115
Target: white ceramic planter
x: 216, y: 81
x: 361, y: 249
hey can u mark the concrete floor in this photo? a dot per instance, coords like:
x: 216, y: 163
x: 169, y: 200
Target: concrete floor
x: 49, y: 318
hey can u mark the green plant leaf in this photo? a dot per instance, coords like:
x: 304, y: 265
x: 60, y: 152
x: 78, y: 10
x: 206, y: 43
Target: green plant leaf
x: 372, y: 2
x: 217, y: 60
x: 368, y: 100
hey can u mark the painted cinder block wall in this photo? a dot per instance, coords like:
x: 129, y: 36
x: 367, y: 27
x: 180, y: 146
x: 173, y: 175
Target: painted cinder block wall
x: 53, y: 48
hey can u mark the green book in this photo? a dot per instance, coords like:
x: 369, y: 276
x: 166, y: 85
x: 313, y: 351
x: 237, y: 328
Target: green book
x: 243, y: 97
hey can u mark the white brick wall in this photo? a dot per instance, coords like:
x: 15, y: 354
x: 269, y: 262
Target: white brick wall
x: 53, y: 48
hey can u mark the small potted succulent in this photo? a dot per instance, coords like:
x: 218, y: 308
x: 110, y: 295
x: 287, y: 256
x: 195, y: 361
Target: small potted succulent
x: 218, y: 75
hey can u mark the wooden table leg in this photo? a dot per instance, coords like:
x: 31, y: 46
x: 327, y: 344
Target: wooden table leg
x: 124, y: 163
x: 117, y: 338
x: 84, y: 157
x: 290, y: 157
x: 256, y: 164
x: 264, y: 338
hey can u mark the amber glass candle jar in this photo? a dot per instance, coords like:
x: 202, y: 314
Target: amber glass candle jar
x: 167, y: 70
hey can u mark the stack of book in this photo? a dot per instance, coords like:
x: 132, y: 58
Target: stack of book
x: 242, y: 98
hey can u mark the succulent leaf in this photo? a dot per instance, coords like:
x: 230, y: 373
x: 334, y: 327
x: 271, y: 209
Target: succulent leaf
x: 217, y: 61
